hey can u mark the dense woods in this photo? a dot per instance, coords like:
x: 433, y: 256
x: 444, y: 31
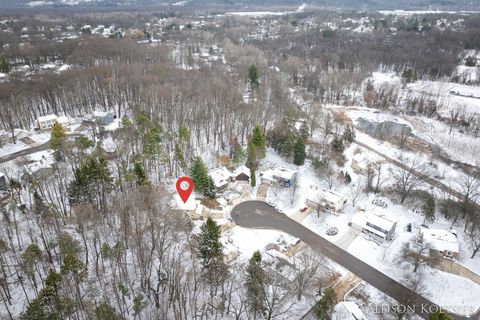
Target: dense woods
x: 99, y: 237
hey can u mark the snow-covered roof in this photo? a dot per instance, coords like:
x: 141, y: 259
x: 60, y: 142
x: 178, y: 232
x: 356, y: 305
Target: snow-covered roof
x: 242, y: 169
x: 319, y: 195
x: 100, y: 114
x: 348, y: 310
x: 368, y: 220
x: 282, y: 173
x: 440, y: 240
x: 46, y: 118
x: 220, y: 176
x: 333, y: 197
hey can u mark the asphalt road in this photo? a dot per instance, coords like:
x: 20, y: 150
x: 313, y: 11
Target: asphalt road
x: 260, y: 215
x: 25, y: 152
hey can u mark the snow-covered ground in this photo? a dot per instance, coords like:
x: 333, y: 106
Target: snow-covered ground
x: 385, y: 256
x: 438, y: 170
x: 449, y: 94
x: 38, y: 138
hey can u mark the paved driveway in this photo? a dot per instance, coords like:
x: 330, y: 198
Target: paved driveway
x: 258, y: 214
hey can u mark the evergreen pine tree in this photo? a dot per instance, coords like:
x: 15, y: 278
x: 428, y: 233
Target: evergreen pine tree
x: 323, y: 309
x: 140, y: 175
x: 258, y: 140
x: 287, y: 147
x: 183, y: 134
x: 253, y: 75
x: 428, y: 209
x: 180, y: 158
x: 4, y: 65
x: 348, y: 135
x: 105, y: 312
x: 348, y: 178
x: 304, y: 132
x: 255, y: 283
x: 58, y: 136
x: 299, y: 153
x: 337, y: 145
x: 252, y: 162
x: 209, y: 188
x: 199, y: 175
x: 253, y: 178
x: 210, y: 246
x: 238, y: 155
x: 152, y: 146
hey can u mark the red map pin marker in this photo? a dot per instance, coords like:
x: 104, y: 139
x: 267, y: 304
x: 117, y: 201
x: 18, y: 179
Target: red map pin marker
x: 184, y: 188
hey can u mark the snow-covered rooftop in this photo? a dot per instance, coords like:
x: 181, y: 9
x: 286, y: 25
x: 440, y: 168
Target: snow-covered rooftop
x: 242, y: 169
x: 278, y: 173
x: 332, y: 196
x: 440, y: 240
x: 100, y: 114
x: 373, y: 222
x: 220, y: 176
x: 48, y: 117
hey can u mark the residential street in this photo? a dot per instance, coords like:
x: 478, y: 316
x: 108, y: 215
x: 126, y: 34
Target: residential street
x: 259, y: 214
x: 25, y: 152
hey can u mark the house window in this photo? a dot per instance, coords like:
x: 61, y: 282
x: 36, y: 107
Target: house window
x: 377, y: 228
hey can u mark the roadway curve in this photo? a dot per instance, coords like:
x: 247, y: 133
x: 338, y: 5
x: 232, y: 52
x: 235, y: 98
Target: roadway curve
x: 260, y: 215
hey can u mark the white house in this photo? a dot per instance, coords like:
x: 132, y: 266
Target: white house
x: 327, y: 199
x: 46, y: 122
x: 282, y: 176
x: 348, y: 310
x: 221, y: 177
x: 374, y: 223
x: 442, y: 242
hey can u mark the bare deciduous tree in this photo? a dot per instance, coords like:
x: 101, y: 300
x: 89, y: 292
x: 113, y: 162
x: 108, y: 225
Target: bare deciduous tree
x: 418, y: 253
x: 409, y: 177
